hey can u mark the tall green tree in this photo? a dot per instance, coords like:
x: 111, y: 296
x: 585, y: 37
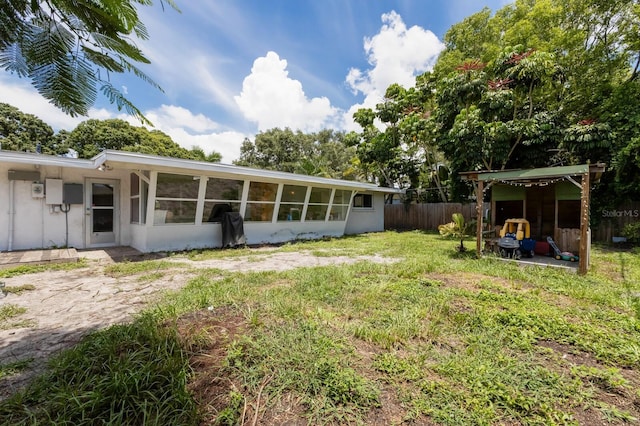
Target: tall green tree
x: 324, y: 153
x: 69, y: 49
x: 403, y: 153
x: 556, y: 85
x: 26, y: 132
x: 383, y: 152
x: 91, y: 137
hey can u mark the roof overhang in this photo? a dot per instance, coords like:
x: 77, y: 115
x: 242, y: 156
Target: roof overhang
x: 137, y: 161
x: 46, y: 160
x: 539, y: 175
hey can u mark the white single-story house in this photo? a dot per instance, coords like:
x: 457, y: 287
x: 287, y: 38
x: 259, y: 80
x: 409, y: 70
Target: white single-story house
x: 157, y: 203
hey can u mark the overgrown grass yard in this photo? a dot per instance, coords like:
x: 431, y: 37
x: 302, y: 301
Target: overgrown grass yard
x: 434, y: 338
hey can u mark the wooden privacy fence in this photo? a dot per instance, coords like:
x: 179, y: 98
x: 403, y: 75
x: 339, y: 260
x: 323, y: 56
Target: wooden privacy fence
x: 424, y: 216
x: 608, y: 223
x: 612, y: 221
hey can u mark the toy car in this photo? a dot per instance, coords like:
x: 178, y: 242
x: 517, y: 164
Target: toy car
x: 515, y: 239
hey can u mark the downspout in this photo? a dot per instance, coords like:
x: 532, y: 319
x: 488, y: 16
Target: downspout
x: 12, y: 214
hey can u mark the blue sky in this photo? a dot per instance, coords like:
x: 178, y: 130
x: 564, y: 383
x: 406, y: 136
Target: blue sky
x: 232, y: 68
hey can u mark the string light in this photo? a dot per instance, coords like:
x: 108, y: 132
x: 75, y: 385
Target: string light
x: 545, y: 182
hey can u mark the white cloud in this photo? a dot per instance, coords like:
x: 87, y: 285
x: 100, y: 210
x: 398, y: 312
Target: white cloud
x: 226, y: 143
x: 175, y: 116
x: 271, y: 99
x: 397, y: 54
x: 20, y: 94
x: 188, y: 130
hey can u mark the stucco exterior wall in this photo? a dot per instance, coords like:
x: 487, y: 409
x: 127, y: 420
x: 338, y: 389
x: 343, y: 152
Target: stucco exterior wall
x: 363, y: 220
x: 40, y: 225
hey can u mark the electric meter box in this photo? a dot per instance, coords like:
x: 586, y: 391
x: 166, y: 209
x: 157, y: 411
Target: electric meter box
x: 37, y: 190
x: 72, y: 193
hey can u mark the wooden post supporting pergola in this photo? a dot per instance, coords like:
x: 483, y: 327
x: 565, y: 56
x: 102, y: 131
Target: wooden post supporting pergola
x: 587, y: 173
x: 480, y: 216
x: 585, y: 242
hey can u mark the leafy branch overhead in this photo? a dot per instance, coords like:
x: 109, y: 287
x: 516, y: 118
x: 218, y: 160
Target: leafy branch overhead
x: 69, y: 49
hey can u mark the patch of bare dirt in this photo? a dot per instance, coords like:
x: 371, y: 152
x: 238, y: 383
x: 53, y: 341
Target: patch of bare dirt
x: 208, y: 334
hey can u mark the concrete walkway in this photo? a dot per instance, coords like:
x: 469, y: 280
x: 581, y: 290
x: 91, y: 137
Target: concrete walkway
x: 33, y: 257
x: 38, y: 257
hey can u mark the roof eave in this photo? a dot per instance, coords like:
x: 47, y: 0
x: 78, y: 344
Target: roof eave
x: 46, y: 160
x: 535, y: 174
x: 135, y: 158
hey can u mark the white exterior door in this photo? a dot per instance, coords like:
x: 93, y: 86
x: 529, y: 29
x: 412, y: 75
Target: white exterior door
x: 102, y: 218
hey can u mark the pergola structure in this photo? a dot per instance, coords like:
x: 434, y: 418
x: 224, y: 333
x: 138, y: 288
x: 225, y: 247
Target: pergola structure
x: 581, y: 176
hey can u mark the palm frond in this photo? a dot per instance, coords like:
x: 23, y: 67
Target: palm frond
x: 140, y: 74
x: 120, y: 46
x: 12, y: 60
x: 116, y: 97
x: 62, y: 45
x: 103, y: 60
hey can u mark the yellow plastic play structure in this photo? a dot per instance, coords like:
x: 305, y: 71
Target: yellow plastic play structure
x: 516, y: 227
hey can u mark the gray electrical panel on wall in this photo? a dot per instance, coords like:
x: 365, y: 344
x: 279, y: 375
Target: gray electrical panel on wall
x: 72, y: 193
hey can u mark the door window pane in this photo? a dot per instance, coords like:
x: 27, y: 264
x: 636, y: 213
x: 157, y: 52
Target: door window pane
x: 102, y: 195
x: 102, y: 220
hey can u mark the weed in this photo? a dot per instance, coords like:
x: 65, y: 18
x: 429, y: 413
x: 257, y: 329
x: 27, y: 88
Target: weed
x: 19, y: 288
x: 33, y: 269
x: 16, y: 367
x: 230, y: 415
x: 302, y: 358
x: 132, y: 268
x: 8, y: 317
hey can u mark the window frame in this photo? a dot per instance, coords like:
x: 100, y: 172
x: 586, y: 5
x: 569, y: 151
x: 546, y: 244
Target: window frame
x: 364, y: 197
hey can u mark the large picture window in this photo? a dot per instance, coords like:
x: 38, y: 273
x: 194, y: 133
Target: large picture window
x: 318, y: 204
x: 340, y: 205
x: 221, y: 196
x: 176, y: 198
x: 261, y: 202
x: 292, y: 203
